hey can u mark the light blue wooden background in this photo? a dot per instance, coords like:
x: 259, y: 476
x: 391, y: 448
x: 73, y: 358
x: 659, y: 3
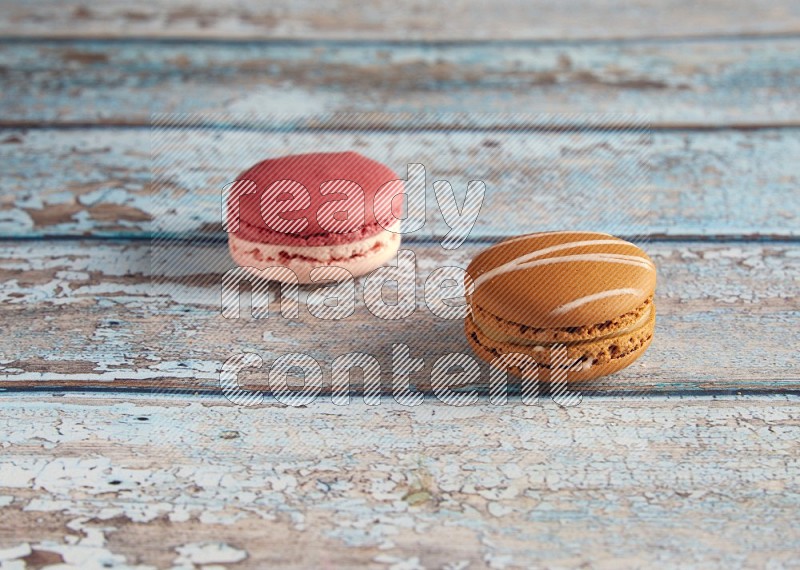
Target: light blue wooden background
x: 686, y: 458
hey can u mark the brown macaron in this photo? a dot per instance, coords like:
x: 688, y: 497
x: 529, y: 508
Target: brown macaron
x: 591, y: 293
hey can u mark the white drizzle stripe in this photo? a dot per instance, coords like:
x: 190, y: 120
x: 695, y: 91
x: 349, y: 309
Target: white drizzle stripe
x: 561, y: 233
x: 569, y: 245
x: 645, y: 262
x: 566, y: 307
x: 605, y: 257
x: 559, y: 247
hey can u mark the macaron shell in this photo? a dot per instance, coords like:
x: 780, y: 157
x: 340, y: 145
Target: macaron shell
x: 561, y: 279
x: 608, y: 355
x: 488, y: 322
x: 312, y: 170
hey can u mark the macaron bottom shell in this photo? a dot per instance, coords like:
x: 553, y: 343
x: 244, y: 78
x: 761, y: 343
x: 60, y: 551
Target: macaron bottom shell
x: 357, y: 257
x: 592, y: 358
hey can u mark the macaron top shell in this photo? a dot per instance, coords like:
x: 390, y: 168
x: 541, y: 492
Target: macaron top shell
x: 277, y: 175
x: 561, y: 279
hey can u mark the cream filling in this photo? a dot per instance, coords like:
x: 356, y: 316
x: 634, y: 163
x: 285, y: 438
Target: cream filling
x: 537, y: 346
x: 324, y: 254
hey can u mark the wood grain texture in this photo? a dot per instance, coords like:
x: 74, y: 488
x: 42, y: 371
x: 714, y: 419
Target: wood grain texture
x: 145, y: 479
x: 674, y: 83
x: 641, y: 482
x: 64, y: 182
x: 86, y: 314
x: 398, y: 20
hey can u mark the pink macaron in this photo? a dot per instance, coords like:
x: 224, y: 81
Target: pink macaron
x: 305, y: 211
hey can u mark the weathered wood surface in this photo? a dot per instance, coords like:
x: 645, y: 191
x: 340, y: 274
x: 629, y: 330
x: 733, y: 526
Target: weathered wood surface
x: 135, y: 478
x: 675, y: 83
x: 398, y: 20
x: 141, y: 483
x: 63, y: 182
x: 87, y: 314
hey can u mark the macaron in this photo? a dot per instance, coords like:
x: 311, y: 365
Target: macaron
x: 591, y: 293
x: 314, y: 210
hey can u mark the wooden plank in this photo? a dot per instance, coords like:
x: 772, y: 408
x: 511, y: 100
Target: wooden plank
x: 398, y: 20
x: 673, y: 83
x: 639, y: 482
x: 727, y: 183
x: 86, y: 314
